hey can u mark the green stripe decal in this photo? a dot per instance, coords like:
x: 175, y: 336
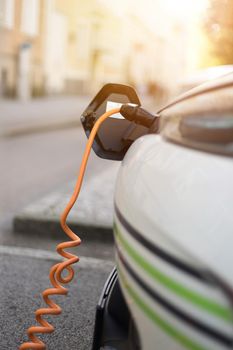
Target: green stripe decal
x: 164, y: 325
x: 193, y: 297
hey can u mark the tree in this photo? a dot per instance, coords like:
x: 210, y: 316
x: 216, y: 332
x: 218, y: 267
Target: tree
x: 218, y: 30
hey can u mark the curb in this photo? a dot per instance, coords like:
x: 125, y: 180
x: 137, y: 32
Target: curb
x: 53, y: 229
x: 40, y: 128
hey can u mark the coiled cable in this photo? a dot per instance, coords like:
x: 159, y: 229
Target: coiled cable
x: 56, y: 271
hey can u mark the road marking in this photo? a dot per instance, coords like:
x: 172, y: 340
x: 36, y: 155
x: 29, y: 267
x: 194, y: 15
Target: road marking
x: 85, y: 262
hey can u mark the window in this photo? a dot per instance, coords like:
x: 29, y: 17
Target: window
x: 7, y: 13
x: 30, y: 17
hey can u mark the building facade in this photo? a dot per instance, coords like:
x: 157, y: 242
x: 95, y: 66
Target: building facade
x: 21, y: 48
x: 75, y: 46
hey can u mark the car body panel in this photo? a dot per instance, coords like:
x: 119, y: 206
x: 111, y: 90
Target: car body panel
x: 179, y: 201
x: 165, y: 186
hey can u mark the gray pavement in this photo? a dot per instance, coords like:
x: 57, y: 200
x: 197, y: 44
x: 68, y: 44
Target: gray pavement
x: 42, y: 114
x: 24, y: 273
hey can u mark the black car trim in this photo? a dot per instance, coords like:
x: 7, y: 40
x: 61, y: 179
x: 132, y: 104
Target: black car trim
x: 203, y: 275
x: 212, y: 333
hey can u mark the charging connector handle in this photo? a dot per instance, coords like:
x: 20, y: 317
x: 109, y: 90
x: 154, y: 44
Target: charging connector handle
x: 138, y: 115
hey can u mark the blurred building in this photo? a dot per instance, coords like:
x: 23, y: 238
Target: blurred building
x: 75, y: 46
x: 89, y: 44
x: 21, y: 48
x: 85, y: 46
x: 72, y: 47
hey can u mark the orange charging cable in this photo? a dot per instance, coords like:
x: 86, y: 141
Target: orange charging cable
x: 57, y: 270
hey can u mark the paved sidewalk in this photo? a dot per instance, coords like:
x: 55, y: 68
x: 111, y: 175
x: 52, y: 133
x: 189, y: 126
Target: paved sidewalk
x: 92, y: 215
x: 38, y: 115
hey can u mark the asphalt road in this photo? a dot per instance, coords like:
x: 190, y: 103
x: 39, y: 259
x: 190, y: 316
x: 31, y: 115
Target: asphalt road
x: 32, y: 166
x: 23, y: 278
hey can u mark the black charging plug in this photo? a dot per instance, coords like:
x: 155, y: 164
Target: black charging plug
x: 140, y: 116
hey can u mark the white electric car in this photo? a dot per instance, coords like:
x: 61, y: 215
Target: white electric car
x: 172, y: 288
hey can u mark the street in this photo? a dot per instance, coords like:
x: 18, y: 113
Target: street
x: 23, y: 280
x: 33, y: 165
